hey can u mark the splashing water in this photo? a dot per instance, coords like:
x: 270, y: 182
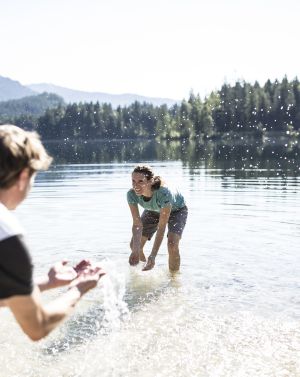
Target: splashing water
x: 113, y: 290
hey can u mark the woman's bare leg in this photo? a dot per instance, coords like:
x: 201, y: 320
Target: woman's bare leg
x: 173, y: 249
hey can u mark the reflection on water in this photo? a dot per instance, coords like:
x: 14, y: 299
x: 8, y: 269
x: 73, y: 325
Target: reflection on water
x: 283, y: 156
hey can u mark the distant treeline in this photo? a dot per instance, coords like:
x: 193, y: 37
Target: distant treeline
x: 242, y: 108
x: 29, y: 106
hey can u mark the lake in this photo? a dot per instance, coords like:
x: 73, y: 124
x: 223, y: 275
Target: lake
x: 234, y: 308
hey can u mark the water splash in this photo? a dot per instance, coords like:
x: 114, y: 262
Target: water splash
x: 113, y: 290
x: 100, y: 313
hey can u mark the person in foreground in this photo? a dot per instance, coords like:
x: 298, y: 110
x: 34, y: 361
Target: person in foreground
x: 162, y: 206
x: 21, y: 156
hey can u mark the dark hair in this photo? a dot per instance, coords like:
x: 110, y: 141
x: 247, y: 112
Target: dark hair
x: 148, y: 172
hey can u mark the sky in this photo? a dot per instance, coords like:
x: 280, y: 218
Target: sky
x: 158, y: 48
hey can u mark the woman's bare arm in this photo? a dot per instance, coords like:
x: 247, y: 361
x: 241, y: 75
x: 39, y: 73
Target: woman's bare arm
x: 137, y: 231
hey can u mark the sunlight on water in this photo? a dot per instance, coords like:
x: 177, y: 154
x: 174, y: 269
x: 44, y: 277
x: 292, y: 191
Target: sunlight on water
x: 163, y: 336
x: 232, y: 311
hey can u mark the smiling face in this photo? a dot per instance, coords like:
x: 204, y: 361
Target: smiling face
x: 141, y: 185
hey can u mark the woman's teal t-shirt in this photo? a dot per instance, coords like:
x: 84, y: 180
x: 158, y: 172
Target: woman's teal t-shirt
x: 161, y: 198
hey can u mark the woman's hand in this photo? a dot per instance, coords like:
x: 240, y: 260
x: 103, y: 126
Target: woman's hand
x: 61, y: 274
x: 82, y: 265
x: 150, y: 263
x: 88, y: 278
x: 134, y: 258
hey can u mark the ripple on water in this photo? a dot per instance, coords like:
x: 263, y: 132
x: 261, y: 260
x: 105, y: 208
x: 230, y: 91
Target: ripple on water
x: 164, y: 335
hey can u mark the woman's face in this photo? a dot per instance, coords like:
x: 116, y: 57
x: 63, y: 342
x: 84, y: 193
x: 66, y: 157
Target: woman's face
x: 140, y: 184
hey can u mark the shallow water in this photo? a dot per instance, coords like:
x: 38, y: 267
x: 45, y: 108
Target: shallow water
x: 233, y: 310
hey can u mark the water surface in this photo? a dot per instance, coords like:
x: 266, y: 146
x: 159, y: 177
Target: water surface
x: 233, y: 310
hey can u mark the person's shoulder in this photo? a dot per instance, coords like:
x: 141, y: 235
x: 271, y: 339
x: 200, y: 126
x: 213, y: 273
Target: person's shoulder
x: 132, y: 198
x: 131, y: 193
x: 9, y: 225
x: 163, y: 190
x: 163, y: 194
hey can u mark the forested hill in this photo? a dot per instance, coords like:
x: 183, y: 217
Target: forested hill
x: 234, y: 109
x: 32, y: 105
x: 71, y: 96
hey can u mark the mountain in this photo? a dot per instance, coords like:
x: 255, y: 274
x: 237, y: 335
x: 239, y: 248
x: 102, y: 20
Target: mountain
x: 31, y: 105
x: 10, y: 89
x: 71, y: 96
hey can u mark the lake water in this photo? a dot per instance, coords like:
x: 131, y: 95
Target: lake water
x: 234, y: 308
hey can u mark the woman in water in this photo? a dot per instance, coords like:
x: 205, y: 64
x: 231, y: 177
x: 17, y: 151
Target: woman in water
x: 162, y: 206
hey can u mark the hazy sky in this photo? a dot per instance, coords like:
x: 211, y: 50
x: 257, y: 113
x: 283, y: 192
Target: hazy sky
x: 155, y: 48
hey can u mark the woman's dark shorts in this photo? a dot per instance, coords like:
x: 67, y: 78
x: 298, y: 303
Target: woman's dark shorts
x: 176, y: 223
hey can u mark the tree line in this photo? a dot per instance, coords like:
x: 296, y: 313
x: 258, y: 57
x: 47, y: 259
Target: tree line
x: 234, y: 109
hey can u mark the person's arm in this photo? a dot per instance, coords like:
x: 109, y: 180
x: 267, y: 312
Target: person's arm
x: 161, y: 228
x: 137, y: 231
x: 39, y: 320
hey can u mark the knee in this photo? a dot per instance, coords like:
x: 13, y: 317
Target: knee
x: 171, y: 242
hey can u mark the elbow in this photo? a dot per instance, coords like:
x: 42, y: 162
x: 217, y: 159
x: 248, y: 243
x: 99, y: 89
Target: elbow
x: 37, y: 331
x: 35, y: 337
x: 36, y: 334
